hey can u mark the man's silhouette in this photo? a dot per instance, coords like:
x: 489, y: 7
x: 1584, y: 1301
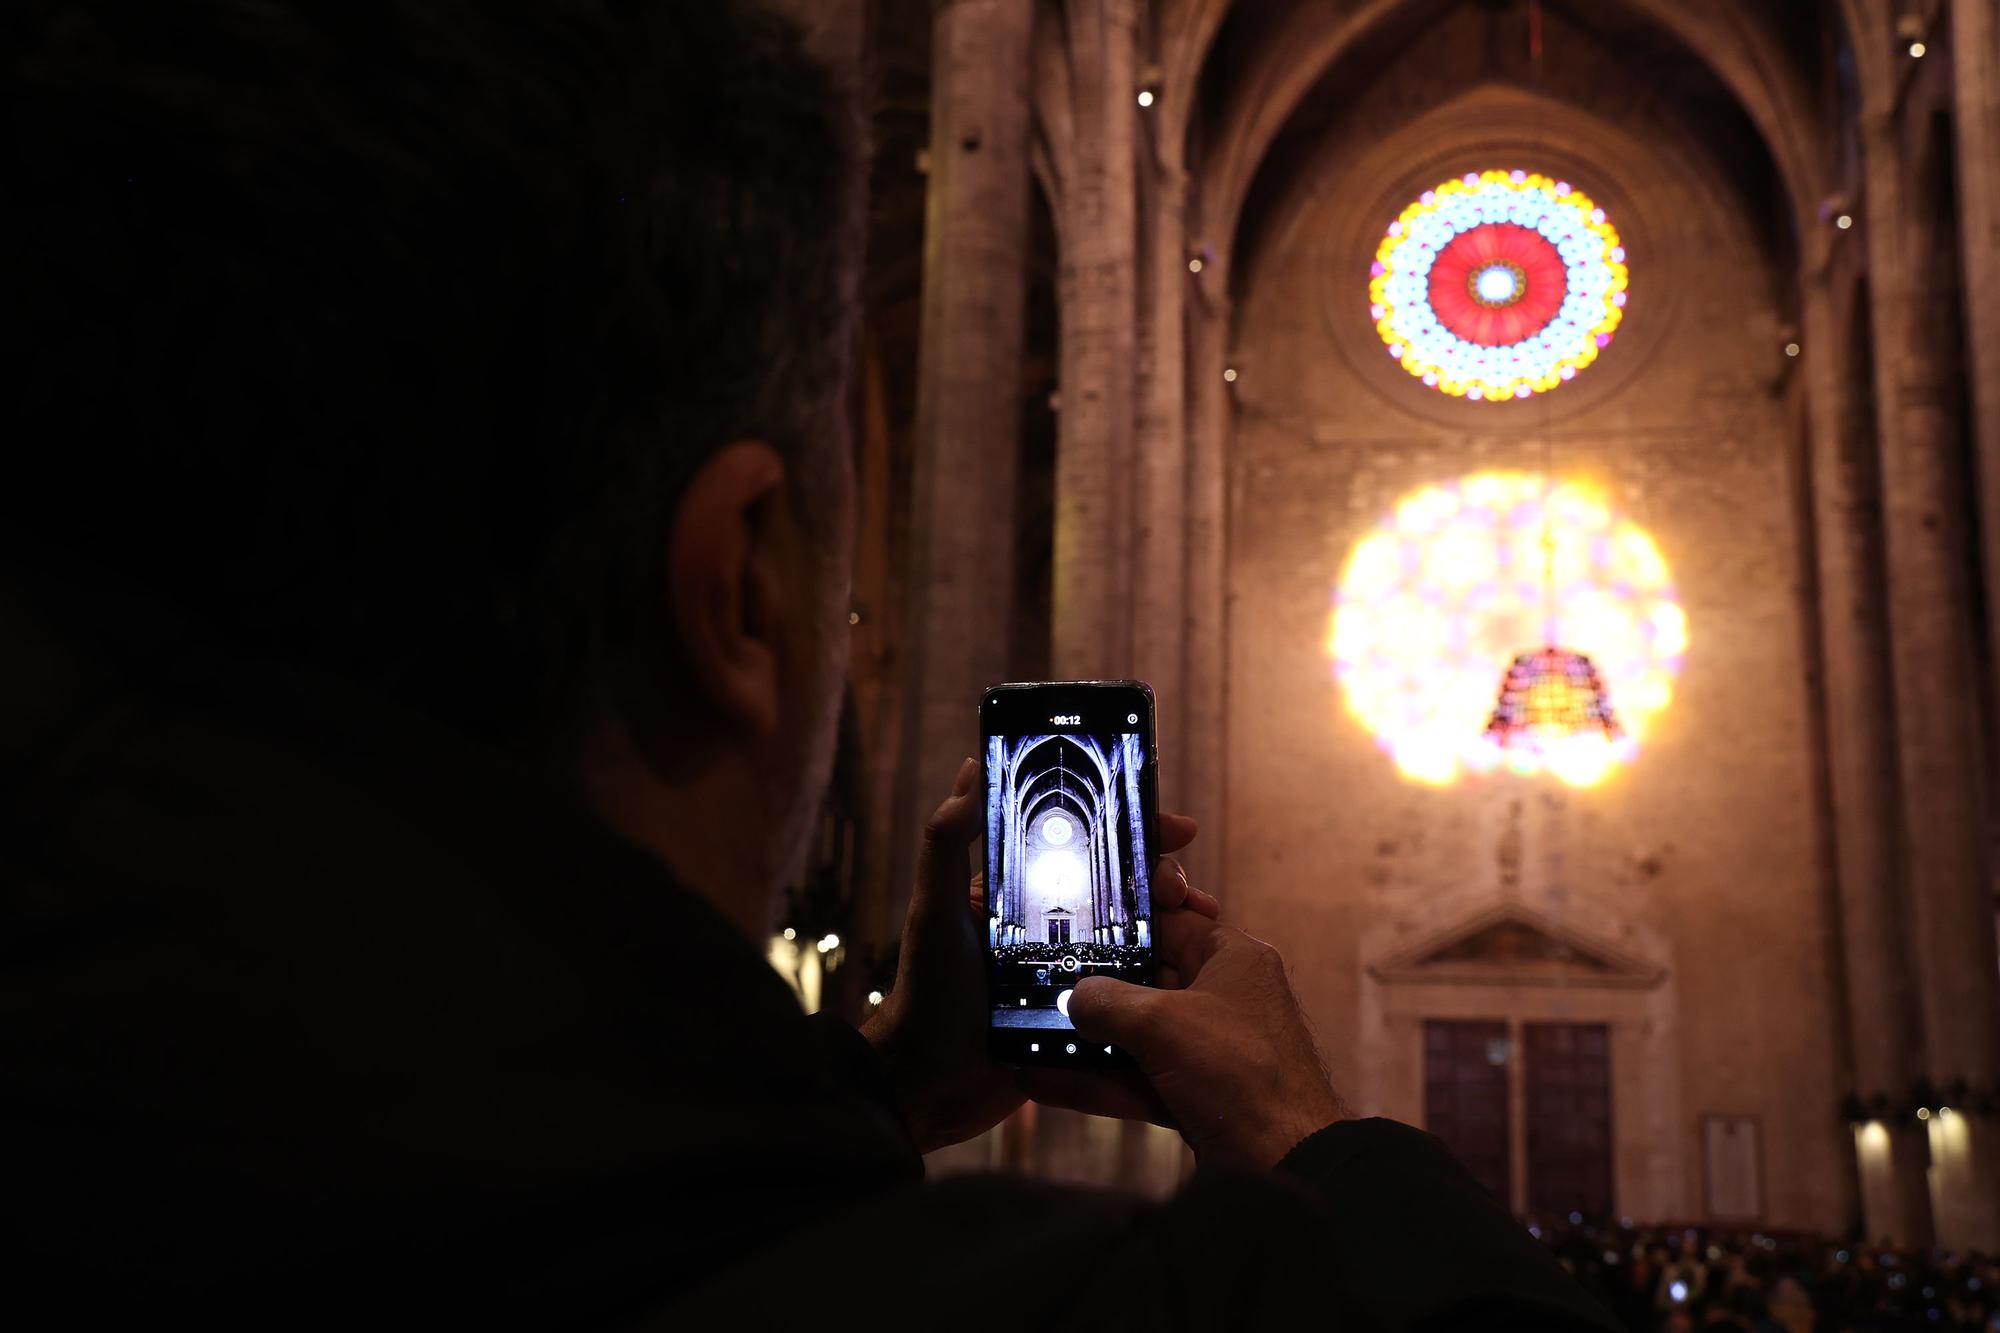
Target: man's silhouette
x: 426, y: 534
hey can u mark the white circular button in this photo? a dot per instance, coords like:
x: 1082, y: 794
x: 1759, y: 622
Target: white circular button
x: 1062, y: 1002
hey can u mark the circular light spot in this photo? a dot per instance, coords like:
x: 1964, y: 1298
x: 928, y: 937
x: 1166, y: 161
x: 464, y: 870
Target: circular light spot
x: 1436, y: 600
x: 1057, y: 831
x: 1492, y: 286
x: 1497, y: 285
x: 1056, y: 874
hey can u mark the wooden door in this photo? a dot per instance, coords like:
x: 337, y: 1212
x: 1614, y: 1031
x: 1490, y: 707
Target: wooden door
x: 1568, y: 1071
x: 1465, y: 1096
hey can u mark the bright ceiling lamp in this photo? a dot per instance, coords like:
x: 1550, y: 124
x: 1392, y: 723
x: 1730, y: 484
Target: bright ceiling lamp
x: 1436, y: 604
x: 1498, y: 285
x: 1555, y: 712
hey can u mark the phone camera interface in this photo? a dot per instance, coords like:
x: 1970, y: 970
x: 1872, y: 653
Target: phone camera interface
x: 1071, y: 893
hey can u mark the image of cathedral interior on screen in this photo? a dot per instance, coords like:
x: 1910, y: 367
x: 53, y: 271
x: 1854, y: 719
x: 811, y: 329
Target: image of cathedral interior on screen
x: 1066, y: 856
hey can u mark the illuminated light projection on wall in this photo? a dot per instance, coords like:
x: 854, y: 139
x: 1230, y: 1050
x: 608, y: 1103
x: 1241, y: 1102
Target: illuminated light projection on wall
x: 1436, y: 601
x: 1499, y: 285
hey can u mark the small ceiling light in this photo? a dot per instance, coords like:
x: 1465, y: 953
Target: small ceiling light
x: 1923, y: 1113
x: 1791, y: 349
x: 1145, y: 97
x: 1917, y: 50
x: 791, y: 934
x: 1229, y: 375
x: 1843, y: 222
x: 1194, y: 266
x: 874, y: 997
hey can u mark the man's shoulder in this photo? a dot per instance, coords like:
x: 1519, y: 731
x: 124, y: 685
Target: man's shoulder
x: 984, y: 1250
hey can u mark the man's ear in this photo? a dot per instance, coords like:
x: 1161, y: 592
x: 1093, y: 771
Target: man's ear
x: 722, y: 587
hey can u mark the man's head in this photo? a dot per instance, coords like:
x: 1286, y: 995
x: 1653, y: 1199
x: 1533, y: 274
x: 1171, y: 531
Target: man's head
x: 490, y: 352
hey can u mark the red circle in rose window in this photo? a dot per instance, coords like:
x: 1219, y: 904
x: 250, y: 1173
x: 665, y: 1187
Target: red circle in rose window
x: 1498, y: 284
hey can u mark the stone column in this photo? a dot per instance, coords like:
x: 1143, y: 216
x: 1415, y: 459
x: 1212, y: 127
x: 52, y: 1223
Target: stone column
x: 1097, y: 879
x: 1205, y: 618
x: 1160, y: 482
x: 1108, y: 849
x: 1132, y: 909
x: 1975, y: 56
x: 1017, y: 846
x: 1948, y: 895
x: 1091, y: 619
x: 968, y: 400
x: 1861, y: 756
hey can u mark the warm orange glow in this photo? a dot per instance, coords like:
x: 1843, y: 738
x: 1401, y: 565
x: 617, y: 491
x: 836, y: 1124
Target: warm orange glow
x: 1434, y: 603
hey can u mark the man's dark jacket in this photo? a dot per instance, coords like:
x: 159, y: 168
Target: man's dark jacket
x: 313, y: 1012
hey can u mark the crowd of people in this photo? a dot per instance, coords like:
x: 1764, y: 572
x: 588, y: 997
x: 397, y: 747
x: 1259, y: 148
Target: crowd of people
x: 1090, y: 956
x: 1684, y: 1279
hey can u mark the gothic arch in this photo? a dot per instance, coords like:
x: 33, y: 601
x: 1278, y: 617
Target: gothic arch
x: 1740, y: 53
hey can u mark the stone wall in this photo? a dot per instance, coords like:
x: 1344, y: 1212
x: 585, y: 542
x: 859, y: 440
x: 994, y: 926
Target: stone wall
x: 1704, y: 857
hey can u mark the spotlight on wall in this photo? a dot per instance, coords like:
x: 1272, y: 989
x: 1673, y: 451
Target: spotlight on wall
x: 1145, y: 97
x: 1843, y: 222
x: 1229, y: 375
x: 1917, y: 50
x: 1791, y: 349
x: 1194, y: 265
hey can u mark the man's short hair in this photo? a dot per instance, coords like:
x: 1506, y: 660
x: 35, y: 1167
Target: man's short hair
x: 386, y: 333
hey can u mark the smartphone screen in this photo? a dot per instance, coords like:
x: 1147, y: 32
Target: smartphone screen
x: 1069, y: 858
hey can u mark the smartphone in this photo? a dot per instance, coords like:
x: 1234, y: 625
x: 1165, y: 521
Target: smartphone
x: 1070, y: 835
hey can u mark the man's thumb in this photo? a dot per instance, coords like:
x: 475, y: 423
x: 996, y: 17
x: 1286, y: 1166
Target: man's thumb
x: 1105, y: 1009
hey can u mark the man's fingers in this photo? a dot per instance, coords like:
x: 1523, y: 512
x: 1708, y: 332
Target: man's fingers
x: 1115, y: 1011
x: 1176, y: 832
x: 943, y: 874
x: 1181, y: 940
x: 1122, y: 1096
x: 1171, y: 890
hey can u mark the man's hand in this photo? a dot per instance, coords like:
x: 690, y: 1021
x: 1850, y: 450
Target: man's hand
x: 931, y: 1029
x: 1229, y: 1059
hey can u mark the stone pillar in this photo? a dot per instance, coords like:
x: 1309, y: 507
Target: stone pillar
x: 1975, y: 56
x: 1001, y: 868
x: 1203, y: 791
x: 968, y: 400
x: 1949, y: 899
x: 1097, y: 879
x: 1131, y: 909
x: 1108, y: 849
x: 1160, y: 482
x: 1861, y: 760
x: 1091, y: 627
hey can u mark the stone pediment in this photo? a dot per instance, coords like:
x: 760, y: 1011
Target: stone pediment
x: 1516, y: 945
